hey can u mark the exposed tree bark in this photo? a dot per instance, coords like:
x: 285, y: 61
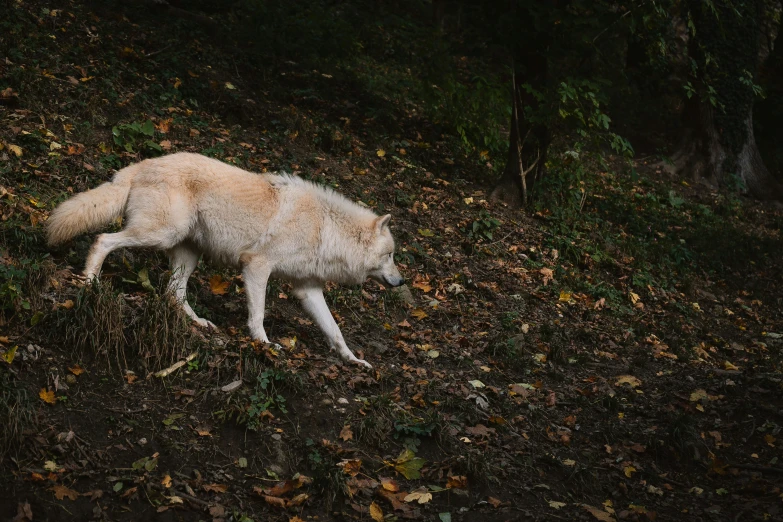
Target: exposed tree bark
x: 768, y: 113
x: 719, y: 145
x: 528, y: 142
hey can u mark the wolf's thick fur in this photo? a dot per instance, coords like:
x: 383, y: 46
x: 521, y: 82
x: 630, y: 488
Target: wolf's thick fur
x: 269, y: 225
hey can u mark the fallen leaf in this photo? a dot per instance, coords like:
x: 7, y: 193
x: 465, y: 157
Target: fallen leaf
x: 381, y: 153
x: 556, y: 505
x: 76, y: 369
x: 599, y: 514
x: 375, y: 512
x: 217, y: 285
x: 628, y: 379
x: 698, y: 395
x: 419, y: 314
x: 61, y: 492
x: 457, y: 482
x: 16, y: 149
x: 408, y: 464
x: 8, y: 356
x: 477, y: 384
x: 421, y: 495
x: 166, y: 481
x: 215, y: 488
x: 351, y: 467
x: 389, y: 484
x: 346, y: 434
x: 629, y: 470
x: 47, y: 396
x: 496, y: 502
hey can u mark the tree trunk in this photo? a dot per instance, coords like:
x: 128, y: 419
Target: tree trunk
x: 528, y: 141
x: 719, y: 145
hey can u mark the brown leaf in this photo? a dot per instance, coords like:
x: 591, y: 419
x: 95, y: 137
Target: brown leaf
x: 275, y: 501
x: 47, y: 396
x: 346, y: 434
x: 76, y: 369
x: 215, y: 488
x: 297, y: 500
x: 217, y: 285
x: 496, y: 502
x: 479, y: 430
x: 375, y: 512
x: 351, y: 467
x: 457, y: 482
x: 61, y: 492
x: 599, y: 514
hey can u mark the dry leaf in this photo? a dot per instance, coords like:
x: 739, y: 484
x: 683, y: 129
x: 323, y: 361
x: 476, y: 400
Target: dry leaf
x: 217, y: 285
x: 457, y: 482
x: 375, y: 512
x: 346, y: 434
x: 421, y: 495
x: 599, y: 514
x: 628, y: 379
x: 215, y: 488
x: 419, y: 314
x: 47, y: 396
x: 381, y: 153
x: 389, y: 484
x: 76, y: 369
x: 61, y: 492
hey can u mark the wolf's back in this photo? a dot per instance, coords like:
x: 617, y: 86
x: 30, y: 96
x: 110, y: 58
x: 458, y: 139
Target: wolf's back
x: 90, y: 210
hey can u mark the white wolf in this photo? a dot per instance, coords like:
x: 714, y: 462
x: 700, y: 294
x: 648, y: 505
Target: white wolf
x: 269, y: 225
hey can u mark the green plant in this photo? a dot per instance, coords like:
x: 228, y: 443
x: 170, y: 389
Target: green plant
x: 135, y: 137
x: 265, y: 396
x: 484, y: 226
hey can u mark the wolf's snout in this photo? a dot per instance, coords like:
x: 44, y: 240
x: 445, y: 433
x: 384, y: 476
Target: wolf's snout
x: 394, y: 281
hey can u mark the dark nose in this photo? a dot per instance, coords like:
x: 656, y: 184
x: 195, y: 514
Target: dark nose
x: 398, y: 281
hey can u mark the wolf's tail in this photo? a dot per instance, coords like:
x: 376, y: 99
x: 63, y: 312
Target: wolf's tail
x: 90, y: 210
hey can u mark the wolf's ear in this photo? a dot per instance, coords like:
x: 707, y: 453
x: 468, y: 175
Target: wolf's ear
x: 382, y: 222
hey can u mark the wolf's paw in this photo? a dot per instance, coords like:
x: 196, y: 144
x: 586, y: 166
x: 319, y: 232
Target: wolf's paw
x: 209, y: 325
x: 362, y: 362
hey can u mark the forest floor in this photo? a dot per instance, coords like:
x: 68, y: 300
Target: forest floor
x: 614, y: 359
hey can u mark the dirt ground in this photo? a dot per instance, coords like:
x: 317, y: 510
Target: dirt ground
x: 521, y: 377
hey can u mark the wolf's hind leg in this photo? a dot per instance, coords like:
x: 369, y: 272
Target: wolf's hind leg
x: 105, y: 244
x: 183, y: 260
x: 255, y: 272
x: 313, y: 302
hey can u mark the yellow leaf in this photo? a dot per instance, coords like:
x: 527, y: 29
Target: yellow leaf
x: 556, y: 505
x: 770, y: 440
x: 76, y: 370
x: 166, y: 481
x: 16, y: 149
x: 422, y: 496
x: 634, y: 297
x: 419, y: 314
x: 629, y: 470
x: 728, y: 366
x: 565, y: 296
x: 375, y: 512
x: 381, y: 153
x: 67, y: 304
x: 230, y: 86
x: 47, y: 396
x: 628, y: 379
x: 217, y: 285
x: 699, y: 395
x: 389, y: 484
x: 9, y: 355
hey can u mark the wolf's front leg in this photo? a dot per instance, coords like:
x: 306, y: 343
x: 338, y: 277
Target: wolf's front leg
x: 313, y: 301
x: 255, y: 272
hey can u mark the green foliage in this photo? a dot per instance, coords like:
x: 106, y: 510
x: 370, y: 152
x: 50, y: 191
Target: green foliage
x: 265, y: 396
x: 11, y: 295
x: 136, y: 137
x: 484, y: 226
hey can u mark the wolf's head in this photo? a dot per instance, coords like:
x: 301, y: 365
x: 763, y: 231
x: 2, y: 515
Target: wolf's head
x: 381, y: 255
